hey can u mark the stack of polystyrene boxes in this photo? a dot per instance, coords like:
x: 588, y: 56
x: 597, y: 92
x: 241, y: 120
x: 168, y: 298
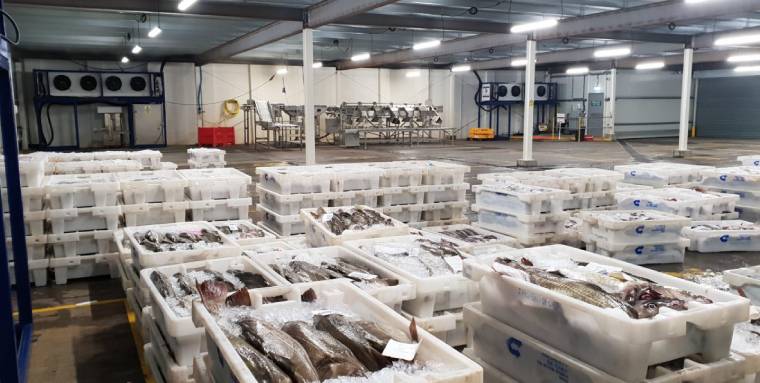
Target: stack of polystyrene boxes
x: 743, y: 181
x: 530, y: 332
x: 661, y: 174
x: 531, y: 214
x: 217, y: 194
x: 414, y: 192
x: 32, y: 177
x: 201, y: 158
x: 694, y: 204
x: 83, y: 212
x: 153, y: 197
x: 636, y: 236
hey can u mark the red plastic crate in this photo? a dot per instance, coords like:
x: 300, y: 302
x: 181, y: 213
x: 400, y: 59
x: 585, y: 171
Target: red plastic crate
x: 216, y: 136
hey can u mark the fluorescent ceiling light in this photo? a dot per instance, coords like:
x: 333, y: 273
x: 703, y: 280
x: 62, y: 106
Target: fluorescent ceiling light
x: 744, y: 58
x: 154, y: 32
x: 460, y: 68
x: 282, y: 71
x: 124, y: 60
x: 185, y: 4
x: 413, y: 73
x: 426, y: 44
x: 650, y: 65
x: 519, y: 62
x: 534, y: 26
x: 360, y: 57
x: 743, y: 69
x: 695, y: 1
x: 316, y: 64
x: 136, y: 49
x: 577, y: 70
x: 612, y: 52
x: 738, y: 40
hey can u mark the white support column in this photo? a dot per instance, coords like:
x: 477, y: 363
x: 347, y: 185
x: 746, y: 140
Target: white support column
x: 308, y: 98
x: 613, y: 99
x: 530, y: 85
x: 683, y: 129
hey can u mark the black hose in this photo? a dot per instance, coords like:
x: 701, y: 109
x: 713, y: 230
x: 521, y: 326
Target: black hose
x: 50, y: 123
x: 477, y: 94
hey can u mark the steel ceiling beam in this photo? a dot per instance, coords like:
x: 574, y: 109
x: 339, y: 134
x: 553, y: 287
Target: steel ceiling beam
x: 315, y: 16
x: 641, y: 36
x: 619, y: 20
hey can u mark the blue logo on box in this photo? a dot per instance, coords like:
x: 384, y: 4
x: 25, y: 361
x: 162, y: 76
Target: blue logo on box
x: 636, y: 202
x: 640, y: 230
x: 639, y: 250
x: 757, y: 163
x: 723, y: 177
x: 513, y: 345
x: 632, y: 173
x: 724, y: 238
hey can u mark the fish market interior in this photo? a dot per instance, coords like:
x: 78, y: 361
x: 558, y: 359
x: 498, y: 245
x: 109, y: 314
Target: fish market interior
x: 380, y: 191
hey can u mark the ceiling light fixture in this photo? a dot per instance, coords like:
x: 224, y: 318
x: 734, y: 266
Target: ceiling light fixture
x: 534, y: 26
x: 577, y: 70
x: 695, y: 1
x: 282, y: 71
x: 650, y: 65
x: 460, y: 68
x: 360, y: 57
x: 124, y: 60
x: 426, y: 45
x: 738, y: 40
x: 413, y: 73
x: 136, y: 49
x: 317, y: 64
x: 744, y: 58
x: 519, y: 62
x: 743, y: 69
x: 185, y: 4
x: 612, y: 52
x: 154, y: 32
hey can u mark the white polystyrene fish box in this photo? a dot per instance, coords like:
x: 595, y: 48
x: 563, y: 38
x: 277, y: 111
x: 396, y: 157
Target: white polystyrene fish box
x: 244, y: 232
x: 82, y: 190
x: 390, y: 295
x: 150, y: 159
x: 149, y: 186
x: 290, y: 204
x: 639, y: 254
x: 295, y: 179
x: 83, y: 219
x: 32, y: 198
x: 660, y: 174
x: 399, y: 173
x: 598, y: 180
x: 633, y: 226
x: 216, y: 183
x: 508, y: 352
x: 180, y: 254
x: 519, y: 225
x: 159, y: 356
x: 173, y: 315
x: 38, y: 269
x: 738, y: 178
x: 626, y: 187
x: 753, y: 160
x: 35, y: 247
x: 31, y: 170
x: 318, y: 232
x: 684, y: 202
x: 34, y: 223
x: 444, y: 364
x: 283, y: 225
x: 220, y: 209
x: 110, y: 155
x: 206, y: 154
x: 609, y: 339
x: 520, y: 199
x: 255, y: 250
x: 722, y: 236
x: 84, y: 266
x: 70, y: 156
x: 472, y: 236
x: 438, y: 277
x: 746, y: 197
x: 82, y: 243
x: 746, y: 280
x: 349, y: 177
x: 155, y: 213
x: 443, y: 173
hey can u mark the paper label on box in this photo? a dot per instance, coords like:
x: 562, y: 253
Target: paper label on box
x: 399, y: 350
x: 327, y: 217
x: 455, y: 263
x: 234, y: 227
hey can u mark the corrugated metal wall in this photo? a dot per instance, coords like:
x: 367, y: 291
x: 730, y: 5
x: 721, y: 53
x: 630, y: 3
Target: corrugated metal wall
x: 728, y: 107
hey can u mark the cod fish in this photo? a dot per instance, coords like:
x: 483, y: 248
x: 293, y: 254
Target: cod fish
x: 330, y: 357
x: 162, y: 283
x: 281, y: 348
x: 250, y: 280
x: 262, y: 368
x: 379, y: 335
x: 352, y: 336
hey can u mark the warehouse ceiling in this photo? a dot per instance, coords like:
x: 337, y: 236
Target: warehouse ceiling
x: 77, y: 29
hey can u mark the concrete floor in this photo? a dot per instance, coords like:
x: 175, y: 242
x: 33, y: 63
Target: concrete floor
x: 93, y: 342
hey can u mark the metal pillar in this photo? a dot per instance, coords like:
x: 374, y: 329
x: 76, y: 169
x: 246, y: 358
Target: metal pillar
x: 530, y: 85
x: 683, y: 128
x: 613, y: 99
x: 308, y: 90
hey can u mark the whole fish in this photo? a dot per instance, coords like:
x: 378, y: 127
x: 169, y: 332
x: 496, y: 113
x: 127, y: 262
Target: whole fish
x: 213, y: 294
x: 281, y: 348
x: 186, y: 284
x: 350, y: 335
x: 379, y: 335
x: 330, y: 357
x: 250, y: 280
x: 239, y: 298
x: 221, y: 277
x: 262, y: 368
x: 162, y: 283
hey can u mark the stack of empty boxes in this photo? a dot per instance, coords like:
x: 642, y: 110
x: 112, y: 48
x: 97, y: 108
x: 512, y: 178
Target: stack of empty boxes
x: 636, y: 236
x: 414, y: 192
x: 103, y: 162
x: 662, y: 174
x: 531, y: 214
x: 743, y: 181
x: 83, y: 212
x: 201, y: 158
x: 153, y: 197
x: 694, y: 204
x: 32, y: 175
x: 217, y: 194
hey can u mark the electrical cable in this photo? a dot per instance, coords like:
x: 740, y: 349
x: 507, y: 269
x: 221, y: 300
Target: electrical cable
x: 15, y: 28
x: 477, y: 94
x: 50, y: 124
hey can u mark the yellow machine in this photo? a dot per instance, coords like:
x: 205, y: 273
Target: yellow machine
x: 481, y: 134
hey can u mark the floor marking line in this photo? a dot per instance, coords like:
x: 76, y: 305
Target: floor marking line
x: 44, y: 310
